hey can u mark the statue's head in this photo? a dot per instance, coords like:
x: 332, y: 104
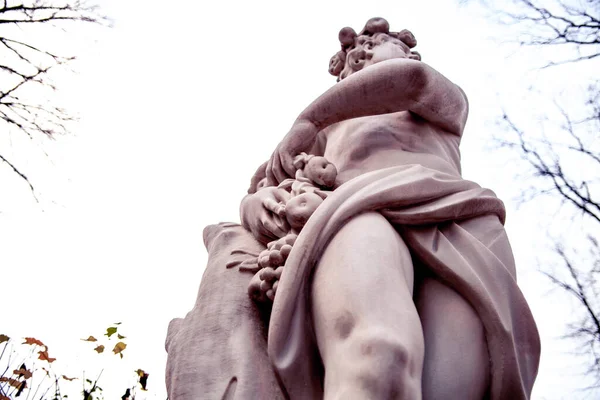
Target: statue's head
x: 373, y: 44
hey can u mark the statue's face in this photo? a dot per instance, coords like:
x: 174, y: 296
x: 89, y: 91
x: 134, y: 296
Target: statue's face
x: 387, y: 48
x: 371, y: 50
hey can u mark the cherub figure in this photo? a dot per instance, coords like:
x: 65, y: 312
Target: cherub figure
x: 403, y: 284
x: 378, y: 283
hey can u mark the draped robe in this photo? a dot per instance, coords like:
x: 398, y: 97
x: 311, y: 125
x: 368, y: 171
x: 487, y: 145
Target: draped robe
x: 453, y: 229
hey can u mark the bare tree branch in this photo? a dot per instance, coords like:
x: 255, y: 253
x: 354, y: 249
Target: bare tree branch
x: 548, y: 166
x: 581, y: 286
x: 556, y: 23
x: 21, y: 175
x: 26, y: 63
x: 566, y: 163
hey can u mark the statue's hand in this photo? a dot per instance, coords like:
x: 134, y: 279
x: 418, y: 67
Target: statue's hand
x: 263, y: 214
x: 300, y: 138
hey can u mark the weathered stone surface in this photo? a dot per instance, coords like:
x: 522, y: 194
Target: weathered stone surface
x: 219, y: 350
x: 378, y: 271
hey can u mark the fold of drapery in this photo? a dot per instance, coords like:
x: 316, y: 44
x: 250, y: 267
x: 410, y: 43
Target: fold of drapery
x: 453, y: 227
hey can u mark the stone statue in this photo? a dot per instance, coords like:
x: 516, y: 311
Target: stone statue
x: 365, y: 266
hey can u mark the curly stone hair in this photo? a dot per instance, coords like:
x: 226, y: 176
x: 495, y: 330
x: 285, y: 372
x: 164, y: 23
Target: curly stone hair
x: 350, y: 40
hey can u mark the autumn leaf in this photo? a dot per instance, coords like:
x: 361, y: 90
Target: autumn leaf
x: 4, y: 397
x: 66, y: 378
x: 143, y: 378
x: 126, y: 395
x: 14, y: 382
x: 3, y: 338
x: 120, y: 336
x: 90, y: 339
x: 110, y: 331
x: 45, y: 357
x: 119, y: 347
x: 33, y: 341
x: 99, y: 349
x: 23, y: 372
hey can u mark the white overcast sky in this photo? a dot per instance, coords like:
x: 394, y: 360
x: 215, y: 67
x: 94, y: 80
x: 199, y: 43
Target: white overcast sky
x: 179, y: 102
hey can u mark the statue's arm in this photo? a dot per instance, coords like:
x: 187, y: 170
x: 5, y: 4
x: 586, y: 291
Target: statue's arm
x: 391, y: 86
x: 386, y: 87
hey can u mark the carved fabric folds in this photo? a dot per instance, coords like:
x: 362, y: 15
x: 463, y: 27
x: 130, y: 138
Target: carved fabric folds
x: 449, y: 226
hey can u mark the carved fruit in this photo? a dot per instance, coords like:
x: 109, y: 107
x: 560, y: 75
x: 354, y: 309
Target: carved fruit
x: 321, y: 172
x: 347, y: 36
x: 407, y: 37
x: 376, y: 25
x: 300, y: 208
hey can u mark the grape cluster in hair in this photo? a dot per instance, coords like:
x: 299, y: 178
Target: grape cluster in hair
x: 348, y: 40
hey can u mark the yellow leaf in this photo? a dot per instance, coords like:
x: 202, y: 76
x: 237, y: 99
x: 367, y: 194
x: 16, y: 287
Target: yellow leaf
x: 119, y: 347
x: 99, y: 349
x: 143, y: 378
x: 90, y: 339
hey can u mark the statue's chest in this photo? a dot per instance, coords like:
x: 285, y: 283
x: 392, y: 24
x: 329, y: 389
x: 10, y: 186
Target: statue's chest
x: 361, y: 137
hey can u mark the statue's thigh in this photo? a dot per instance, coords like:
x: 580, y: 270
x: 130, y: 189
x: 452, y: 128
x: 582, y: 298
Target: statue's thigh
x: 457, y: 362
x: 365, y: 320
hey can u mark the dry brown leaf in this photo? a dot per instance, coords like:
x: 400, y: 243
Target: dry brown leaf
x: 33, y: 341
x: 22, y: 372
x: 13, y: 382
x: 45, y: 357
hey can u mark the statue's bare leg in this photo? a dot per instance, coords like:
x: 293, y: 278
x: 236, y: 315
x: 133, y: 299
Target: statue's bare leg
x: 366, y: 324
x: 457, y: 364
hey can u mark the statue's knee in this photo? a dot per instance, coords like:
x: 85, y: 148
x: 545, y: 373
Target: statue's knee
x: 384, y: 350
x: 385, y: 363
